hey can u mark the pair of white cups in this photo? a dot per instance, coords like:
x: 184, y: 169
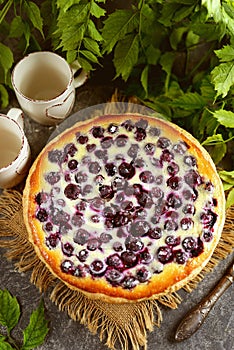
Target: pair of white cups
x: 44, y: 85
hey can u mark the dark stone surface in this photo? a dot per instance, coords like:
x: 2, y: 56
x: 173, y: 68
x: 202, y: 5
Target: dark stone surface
x: 216, y: 334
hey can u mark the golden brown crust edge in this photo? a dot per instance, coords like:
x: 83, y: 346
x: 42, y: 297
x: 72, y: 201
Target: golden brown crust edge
x: 173, y: 276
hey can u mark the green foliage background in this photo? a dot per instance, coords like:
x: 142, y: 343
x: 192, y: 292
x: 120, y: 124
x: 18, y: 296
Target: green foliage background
x: 176, y: 56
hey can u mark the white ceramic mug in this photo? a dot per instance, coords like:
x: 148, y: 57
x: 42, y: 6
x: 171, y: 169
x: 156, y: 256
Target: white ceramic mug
x: 15, y: 152
x: 44, y: 85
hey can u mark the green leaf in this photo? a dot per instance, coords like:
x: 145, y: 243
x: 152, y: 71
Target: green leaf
x: 6, y: 59
x: 89, y: 55
x: 218, y: 152
x: 207, y: 90
x: 222, y: 76
x: 213, y: 9
x: 189, y: 101
x: 17, y: 27
x: 224, y: 117
x: 153, y: 54
x: 4, y: 345
x: 230, y: 199
x: 227, y: 176
x: 166, y: 61
x: 34, y: 15
x: 9, y: 310
x: 92, y: 45
x: 211, y: 140
x: 93, y: 32
x: 4, y: 96
x: 85, y: 64
x: 36, y: 331
x: 226, y: 186
x: 116, y: 26
x: 126, y: 55
x: 226, y: 54
x: 144, y: 78
x: 96, y: 10
x: 176, y: 36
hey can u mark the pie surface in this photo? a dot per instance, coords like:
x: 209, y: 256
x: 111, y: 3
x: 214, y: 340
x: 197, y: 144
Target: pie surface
x: 124, y: 207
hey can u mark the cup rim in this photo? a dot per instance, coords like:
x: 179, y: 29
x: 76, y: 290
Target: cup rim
x: 2, y: 169
x: 41, y: 53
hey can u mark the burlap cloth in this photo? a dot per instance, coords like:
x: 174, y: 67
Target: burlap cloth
x: 124, y: 325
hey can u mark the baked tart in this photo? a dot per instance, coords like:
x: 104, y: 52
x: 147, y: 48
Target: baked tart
x: 124, y: 207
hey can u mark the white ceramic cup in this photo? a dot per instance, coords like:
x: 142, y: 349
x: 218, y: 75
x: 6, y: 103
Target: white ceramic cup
x: 44, y: 85
x: 15, y: 152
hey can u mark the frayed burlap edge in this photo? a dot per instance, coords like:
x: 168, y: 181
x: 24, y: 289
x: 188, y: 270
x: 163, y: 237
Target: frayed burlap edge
x: 129, y: 330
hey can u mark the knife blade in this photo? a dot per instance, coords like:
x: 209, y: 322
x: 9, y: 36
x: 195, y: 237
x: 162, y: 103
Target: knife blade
x: 197, y: 315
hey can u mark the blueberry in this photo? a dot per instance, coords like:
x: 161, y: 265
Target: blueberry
x: 192, y: 178
x: 115, y: 261
x: 146, y: 177
x: 82, y: 139
x: 129, y: 258
x: 140, y: 134
x: 48, y: 226
x: 77, y: 220
x: 180, y: 257
x: 126, y: 170
x: 173, y: 168
x: 149, y: 148
x: 166, y: 156
x: 174, y: 201
x: 106, y: 142
x: 174, y: 182
x: 117, y: 247
x: 94, y: 167
x: 41, y: 197
x: 128, y: 124
x: 105, y: 237
x: 172, y: 240
x: 56, y: 156
x: 67, y: 249
x: 59, y: 216
x: 97, y: 267
x: 111, y: 169
x: 163, y: 142
x: 143, y: 275
x: 72, y: 164
x: 81, y: 206
x: 190, y: 161
x: 157, y: 192
x: 129, y: 282
x: 101, y: 154
x: 112, y: 128
x: 52, y: 177
x: 154, y: 131
x: 189, y: 209
x: 164, y: 254
x: 155, y: 233
x: 93, y: 244
x: 72, y: 191
x: 134, y: 244
x: 95, y: 218
x: 186, y: 223
x: 139, y: 163
x: 139, y: 228
x: 180, y: 147
x: 170, y: 225
x: 156, y: 162
x: 118, y: 183
x: 114, y: 276
x: 159, y: 179
x: 145, y: 256
x: 144, y: 199
x: 208, y: 219
x: 83, y: 255
x: 52, y: 241
x: 190, y: 194
x: 67, y: 266
x: 79, y: 271
x: 142, y: 123
x: 70, y: 149
x: 98, y: 132
x: 81, y: 236
x: 42, y: 215
x: 133, y: 150
x: 121, y: 140
x: 207, y: 236
x: 189, y: 244
x: 91, y: 147
x: 106, y: 192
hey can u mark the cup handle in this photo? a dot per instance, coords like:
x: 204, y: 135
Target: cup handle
x: 82, y: 77
x: 18, y: 115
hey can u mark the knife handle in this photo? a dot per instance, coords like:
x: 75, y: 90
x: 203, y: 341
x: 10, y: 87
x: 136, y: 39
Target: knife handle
x: 195, y: 318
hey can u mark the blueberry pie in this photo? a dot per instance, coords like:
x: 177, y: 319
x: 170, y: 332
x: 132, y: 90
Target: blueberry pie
x: 124, y: 207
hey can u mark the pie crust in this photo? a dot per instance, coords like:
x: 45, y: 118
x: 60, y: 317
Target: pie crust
x: 124, y: 207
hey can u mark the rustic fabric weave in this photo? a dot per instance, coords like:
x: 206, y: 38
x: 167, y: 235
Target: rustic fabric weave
x: 124, y: 324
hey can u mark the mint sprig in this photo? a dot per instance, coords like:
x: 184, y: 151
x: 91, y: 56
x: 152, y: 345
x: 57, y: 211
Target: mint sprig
x: 33, y: 335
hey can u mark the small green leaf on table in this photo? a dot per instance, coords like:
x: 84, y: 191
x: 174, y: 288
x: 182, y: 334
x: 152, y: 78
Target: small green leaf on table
x: 9, y: 310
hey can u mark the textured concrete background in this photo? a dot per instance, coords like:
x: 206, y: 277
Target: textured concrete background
x: 216, y: 334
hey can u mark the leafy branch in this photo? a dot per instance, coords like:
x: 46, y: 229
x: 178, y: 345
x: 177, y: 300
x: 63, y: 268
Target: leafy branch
x: 33, y: 335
